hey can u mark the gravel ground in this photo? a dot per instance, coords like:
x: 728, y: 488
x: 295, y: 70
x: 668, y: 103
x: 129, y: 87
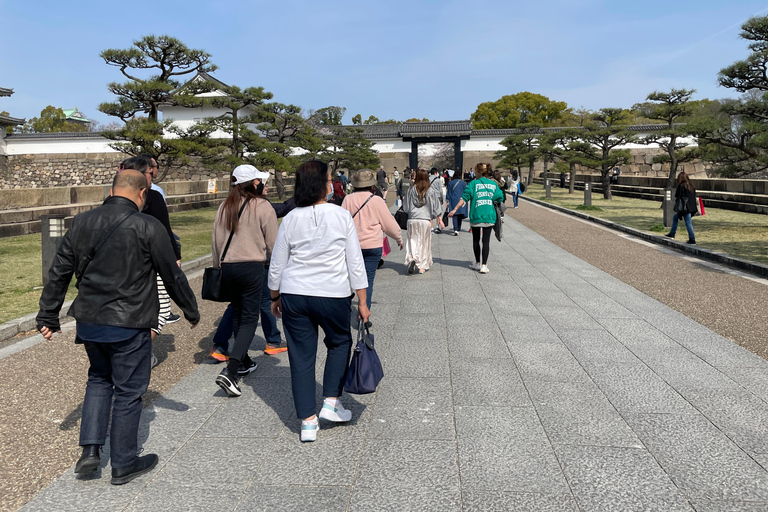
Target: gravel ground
x: 41, y: 396
x: 725, y: 303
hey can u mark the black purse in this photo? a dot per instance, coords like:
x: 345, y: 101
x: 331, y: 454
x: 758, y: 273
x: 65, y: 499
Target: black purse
x: 401, y: 218
x: 212, y: 289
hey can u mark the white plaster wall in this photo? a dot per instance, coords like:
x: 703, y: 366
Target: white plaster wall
x: 392, y: 146
x: 57, y: 146
x: 483, y: 144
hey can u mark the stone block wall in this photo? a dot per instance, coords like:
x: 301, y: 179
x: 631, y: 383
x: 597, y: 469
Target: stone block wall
x: 79, y: 169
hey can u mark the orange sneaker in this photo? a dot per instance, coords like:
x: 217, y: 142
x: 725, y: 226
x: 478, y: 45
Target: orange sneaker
x: 219, y: 356
x: 274, y: 349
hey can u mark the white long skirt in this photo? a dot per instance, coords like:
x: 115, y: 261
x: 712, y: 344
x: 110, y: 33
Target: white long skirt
x: 418, y: 246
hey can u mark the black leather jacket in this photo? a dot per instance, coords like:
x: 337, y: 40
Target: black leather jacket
x: 119, y: 287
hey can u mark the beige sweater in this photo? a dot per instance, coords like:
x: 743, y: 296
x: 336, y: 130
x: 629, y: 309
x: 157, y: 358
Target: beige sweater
x: 255, y: 236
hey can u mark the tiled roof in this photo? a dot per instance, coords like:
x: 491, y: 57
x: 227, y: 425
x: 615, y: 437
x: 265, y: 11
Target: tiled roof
x: 503, y: 132
x: 10, y: 121
x: 5, y: 92
x: 436, y: 129
x: 57, y: 135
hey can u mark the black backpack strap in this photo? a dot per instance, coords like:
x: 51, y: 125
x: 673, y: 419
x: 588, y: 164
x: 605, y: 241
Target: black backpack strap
x: 232, y: 233
x: 361, y: 206
x: 95, y: 249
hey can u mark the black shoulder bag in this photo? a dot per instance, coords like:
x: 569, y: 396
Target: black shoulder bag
x: 83, y: 266
x: 361, y: 206
x: 212, y: 275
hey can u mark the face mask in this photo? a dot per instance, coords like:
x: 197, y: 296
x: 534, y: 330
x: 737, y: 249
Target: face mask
x: 329, y: 196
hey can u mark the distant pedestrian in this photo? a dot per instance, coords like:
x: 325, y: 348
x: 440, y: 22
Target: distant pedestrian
x: 501, y: 182
x: 251, y: 222
x: 422, y: 204
x: 405, y: 184
x: 685, y: 197
x: 115, y: 253
x: 514, y: 186
x: 481, y: 194
x: 396, y: 177
x: 455, y: 190
x: 316, y: 266
x: 382, y: 181
x: 372, y: 220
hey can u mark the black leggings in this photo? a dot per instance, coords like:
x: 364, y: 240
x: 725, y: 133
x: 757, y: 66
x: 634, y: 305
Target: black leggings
x: 486, y: 242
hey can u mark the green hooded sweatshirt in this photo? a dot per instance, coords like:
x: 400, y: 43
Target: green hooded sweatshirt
x: 481, y: 194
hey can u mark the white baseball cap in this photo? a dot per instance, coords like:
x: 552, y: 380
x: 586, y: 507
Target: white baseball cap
x: 246, y: 172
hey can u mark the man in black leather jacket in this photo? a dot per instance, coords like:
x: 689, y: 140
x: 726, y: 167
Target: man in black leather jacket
x: 115, y: 308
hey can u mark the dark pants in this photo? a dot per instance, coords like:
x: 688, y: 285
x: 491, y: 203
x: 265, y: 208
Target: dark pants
x: 457, y: 222
x: 371, y: 258
x: 688, y: 225
x: 515, y: 198
x: 486, y: 232
x: 268, y: 321
x: 302, y: 315
x: 243, y: 281
x: 120, y: 370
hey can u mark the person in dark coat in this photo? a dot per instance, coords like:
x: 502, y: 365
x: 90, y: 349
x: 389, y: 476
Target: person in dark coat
x: 685, y: 196
x: 455, y: 190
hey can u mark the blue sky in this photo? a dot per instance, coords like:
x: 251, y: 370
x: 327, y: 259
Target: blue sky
x: 395, y: 59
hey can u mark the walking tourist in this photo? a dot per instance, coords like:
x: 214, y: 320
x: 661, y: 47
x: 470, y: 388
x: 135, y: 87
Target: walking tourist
x: 481, y: 194
x: 114, y: 255
x: 316, y: 266
x: 514, y: 186
x: 685, y: 197
x: 436, y: 183
x: 405, y: 184
x: 226, y: 328
x: 455, y: 190
x: 422, y: 204
x: 246, y: 225
x: 372, y: 220
x: 396, y: 177
x: 383, y: 182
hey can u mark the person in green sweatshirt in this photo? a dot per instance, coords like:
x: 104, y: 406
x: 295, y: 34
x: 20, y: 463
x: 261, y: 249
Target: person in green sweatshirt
x: 481, y: 194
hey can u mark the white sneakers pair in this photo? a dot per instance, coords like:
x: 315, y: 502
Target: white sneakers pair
x: 483, y: 269
x: 331, y: 411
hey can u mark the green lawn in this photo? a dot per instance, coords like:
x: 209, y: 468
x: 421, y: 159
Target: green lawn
x: 21, y: 266
x: 744, y: 235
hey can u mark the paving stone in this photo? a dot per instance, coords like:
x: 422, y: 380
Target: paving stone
x: 609, y: 478
x: 269, y: 498
x: 547, y: 361
x: 482, y: 381
x: 404, y: 463
x: 494, y: 501
x: 634, y: 388
x: 365, y: 499
x: 412, y: 422
x: 327, y: 461
x: 416, y: 361
x: 699, y: 458
x: 595, y: 346
x: 704, y: 505
x: 598, y: 307
x: 504, y: 425
x: 415, y: 392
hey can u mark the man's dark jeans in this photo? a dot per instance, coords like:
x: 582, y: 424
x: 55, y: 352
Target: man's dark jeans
x: 121, y: 370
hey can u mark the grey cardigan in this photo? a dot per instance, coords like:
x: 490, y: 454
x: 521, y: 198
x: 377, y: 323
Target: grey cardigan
x: 430, y: 209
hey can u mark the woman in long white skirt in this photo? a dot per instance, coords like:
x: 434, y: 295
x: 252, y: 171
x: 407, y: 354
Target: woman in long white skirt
x: 422, y: 204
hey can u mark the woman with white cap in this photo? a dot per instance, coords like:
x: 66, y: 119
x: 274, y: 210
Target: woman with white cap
x: 372, y: 219
x: 244, y: 234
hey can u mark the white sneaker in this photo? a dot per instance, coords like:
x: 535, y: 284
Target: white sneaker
x: 475, y: 266
x: 335, y: 413
x: 484, y: 269
x: 309, y: 431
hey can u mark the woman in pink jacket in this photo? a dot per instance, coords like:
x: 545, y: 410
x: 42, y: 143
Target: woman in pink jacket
x: 372, y: 219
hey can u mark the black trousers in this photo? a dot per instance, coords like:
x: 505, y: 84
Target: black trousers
x: 486, y: 232
x: 243, y: 282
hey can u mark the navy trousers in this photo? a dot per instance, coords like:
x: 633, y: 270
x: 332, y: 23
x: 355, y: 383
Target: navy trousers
x: 120, y: 370
x: 302, y: 315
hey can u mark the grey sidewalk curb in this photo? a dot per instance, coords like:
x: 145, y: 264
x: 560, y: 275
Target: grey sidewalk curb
x: 705, y: 254
x: 27, y: 322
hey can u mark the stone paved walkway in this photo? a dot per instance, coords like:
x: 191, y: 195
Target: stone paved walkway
x: 546, y: 385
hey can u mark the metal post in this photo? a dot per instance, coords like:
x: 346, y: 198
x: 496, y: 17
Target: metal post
x: 668, y: 205
x: 587, y: 194
x: 548, y: 188
x: 52, y: 232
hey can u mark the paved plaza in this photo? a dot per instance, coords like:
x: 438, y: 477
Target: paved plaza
x: 546, y: 385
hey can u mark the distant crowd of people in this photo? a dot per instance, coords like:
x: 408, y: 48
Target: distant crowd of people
x: 305, y: 270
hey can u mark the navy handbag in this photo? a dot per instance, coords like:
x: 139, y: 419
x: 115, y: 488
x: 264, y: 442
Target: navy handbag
x: 365, y: 369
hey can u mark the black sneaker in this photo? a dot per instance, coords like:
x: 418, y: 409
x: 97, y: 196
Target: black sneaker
x: 142, y: 465
x: 691, y: 241
x: 411, y: 266
x: 246, y: 368
x: 670, y: 235
x: 228, y: 383
x: 381, y: 264
x: 170, y: 319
